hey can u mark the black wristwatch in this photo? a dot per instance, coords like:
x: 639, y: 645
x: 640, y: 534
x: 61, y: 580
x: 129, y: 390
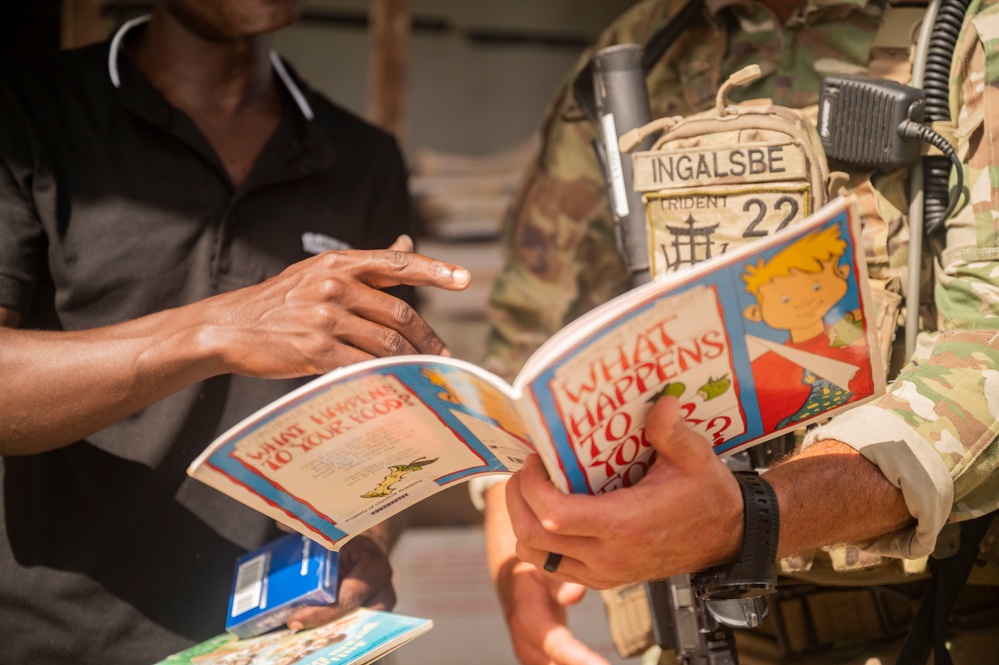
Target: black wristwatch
x: 755, y: 573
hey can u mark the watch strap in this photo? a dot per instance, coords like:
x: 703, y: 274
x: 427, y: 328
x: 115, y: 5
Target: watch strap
x: 755, y: 572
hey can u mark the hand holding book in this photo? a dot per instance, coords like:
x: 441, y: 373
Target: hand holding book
x: 686, y: 475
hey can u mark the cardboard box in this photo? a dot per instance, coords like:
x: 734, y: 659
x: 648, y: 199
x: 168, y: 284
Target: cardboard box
x: 277, y: 579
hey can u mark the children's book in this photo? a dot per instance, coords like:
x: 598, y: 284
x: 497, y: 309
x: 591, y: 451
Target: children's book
x: 762, y: 340
x: 361, y: 637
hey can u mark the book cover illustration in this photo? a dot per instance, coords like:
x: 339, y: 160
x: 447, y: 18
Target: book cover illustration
x: 384, y: 438
x: 759, y: 345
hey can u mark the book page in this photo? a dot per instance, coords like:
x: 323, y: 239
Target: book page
x: 729, y: 340
x: 349, y: 450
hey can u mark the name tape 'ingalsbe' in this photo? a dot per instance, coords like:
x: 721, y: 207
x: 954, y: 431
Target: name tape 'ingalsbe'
x: 724, y: 177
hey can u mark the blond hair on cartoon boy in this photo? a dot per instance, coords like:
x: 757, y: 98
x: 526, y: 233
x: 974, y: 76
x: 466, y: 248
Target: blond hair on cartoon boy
x: 798, y: 286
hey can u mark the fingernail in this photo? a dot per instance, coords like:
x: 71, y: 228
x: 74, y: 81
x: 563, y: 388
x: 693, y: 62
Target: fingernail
x: 446, y: 353
x: 296, y: 625
x: 461, y: 276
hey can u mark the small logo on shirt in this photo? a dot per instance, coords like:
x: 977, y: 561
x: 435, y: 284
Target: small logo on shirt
x: 317, y: 243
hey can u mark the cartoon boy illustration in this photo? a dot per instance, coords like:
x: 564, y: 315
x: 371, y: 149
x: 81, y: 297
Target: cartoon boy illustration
x: 795, y: 291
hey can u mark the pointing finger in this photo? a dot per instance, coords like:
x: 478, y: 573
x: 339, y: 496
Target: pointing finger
x: 386, y: 268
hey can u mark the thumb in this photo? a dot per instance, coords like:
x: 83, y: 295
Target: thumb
x: 402, y: 244
x: 675, y: 443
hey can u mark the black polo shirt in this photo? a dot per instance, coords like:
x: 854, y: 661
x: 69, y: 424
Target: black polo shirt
x: 113, y: 206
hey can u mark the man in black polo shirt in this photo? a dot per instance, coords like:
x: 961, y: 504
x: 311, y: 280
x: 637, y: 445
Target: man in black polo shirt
x: 161, y: 196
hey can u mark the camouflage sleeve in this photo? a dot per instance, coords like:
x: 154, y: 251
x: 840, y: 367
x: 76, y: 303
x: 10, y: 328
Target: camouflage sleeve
x: 561, y: 259
x: 935, y: 434
x: 559, y: 250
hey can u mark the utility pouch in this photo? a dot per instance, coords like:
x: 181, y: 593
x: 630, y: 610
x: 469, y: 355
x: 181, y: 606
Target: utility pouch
x: 629, y: 619
x: 724, y: 177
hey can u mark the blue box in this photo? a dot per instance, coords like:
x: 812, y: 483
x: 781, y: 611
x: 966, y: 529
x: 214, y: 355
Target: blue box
x: 276, y: 580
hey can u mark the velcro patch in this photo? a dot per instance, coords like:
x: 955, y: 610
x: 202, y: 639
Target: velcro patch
x: 710, y: 165
x: 690, y: 225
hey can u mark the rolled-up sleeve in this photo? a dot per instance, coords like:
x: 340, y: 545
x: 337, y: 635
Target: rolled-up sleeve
x: 934, y: 434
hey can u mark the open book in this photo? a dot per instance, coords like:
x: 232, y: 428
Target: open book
x: 361, y: 637
x: 762, y: 340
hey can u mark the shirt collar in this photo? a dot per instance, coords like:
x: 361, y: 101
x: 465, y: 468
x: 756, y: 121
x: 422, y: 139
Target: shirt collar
x: 289, y: 83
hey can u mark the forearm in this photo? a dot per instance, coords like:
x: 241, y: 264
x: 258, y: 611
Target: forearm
x: 829, y: 494
x: 933, y: 436
x: 321, y: 313
x: 506, y: 570
x: 59, y: 387
x: 501, y: 543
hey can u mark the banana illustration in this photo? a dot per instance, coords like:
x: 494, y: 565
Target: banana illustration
x: 395, y: 475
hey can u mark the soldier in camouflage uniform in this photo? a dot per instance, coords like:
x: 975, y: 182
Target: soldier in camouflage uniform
x: 932, y: 438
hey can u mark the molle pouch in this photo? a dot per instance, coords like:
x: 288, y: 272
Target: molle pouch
x: 629, y: 618
x: 721, y: 178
